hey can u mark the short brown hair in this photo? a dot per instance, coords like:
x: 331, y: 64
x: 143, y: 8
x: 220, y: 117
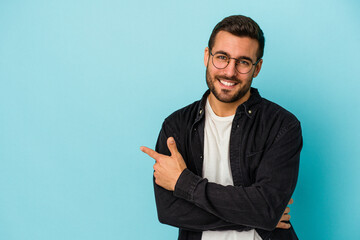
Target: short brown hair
x: 240, y: 26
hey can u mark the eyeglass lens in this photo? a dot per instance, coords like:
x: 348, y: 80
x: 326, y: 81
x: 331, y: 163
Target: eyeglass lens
x: 222, y: 61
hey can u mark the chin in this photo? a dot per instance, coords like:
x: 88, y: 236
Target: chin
x: 225, y: 96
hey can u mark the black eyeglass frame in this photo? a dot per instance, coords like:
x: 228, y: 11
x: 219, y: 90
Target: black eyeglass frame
x: 236, y: 61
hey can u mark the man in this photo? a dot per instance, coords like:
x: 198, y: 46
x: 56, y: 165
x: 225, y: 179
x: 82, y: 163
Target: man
x: 227, y: 165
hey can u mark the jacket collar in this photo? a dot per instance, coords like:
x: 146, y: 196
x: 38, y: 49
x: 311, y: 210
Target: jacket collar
x: 249, y: 107
x: 252, y: 104
x: 201, y: 108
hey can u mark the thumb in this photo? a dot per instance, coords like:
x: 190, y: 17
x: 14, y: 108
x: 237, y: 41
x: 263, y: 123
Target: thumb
x: 172, y: 146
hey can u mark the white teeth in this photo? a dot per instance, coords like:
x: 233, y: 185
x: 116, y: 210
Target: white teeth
x: 229, y: 84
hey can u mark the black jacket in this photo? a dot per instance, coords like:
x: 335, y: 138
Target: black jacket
x: 265, y: 145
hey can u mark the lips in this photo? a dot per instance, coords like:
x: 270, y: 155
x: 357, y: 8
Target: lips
x: 227, y: 83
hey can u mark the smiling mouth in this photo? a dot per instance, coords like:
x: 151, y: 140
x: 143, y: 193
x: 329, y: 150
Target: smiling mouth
x: 227, y: 83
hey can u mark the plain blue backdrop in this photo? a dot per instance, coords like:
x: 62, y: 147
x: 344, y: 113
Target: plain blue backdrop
x: 83, y: 84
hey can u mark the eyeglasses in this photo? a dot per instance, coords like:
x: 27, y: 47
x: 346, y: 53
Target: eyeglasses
x: 242, y: 65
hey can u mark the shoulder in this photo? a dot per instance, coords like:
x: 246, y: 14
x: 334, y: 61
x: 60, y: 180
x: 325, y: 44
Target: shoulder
x: 179, y: 124
x: 276, y: 120
x: 183, y: 116
x: 266, y: 111
x: 271, y: 110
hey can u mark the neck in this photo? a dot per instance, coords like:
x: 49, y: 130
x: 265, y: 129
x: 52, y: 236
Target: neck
x: 223, y: 109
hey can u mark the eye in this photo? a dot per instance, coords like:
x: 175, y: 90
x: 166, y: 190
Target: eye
x: 221, y: 57
x: 244, y: 62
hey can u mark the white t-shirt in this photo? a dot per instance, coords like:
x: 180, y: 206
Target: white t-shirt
x: 216, y: 166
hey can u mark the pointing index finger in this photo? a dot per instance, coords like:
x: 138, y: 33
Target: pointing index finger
x: 150, y: 152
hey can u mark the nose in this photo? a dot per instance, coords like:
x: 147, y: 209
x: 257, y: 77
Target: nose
x: 230, y: 69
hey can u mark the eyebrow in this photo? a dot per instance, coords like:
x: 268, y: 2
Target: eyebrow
x: 227, y: 54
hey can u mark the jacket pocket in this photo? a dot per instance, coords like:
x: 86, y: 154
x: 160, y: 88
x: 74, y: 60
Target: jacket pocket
x: 252, y: 153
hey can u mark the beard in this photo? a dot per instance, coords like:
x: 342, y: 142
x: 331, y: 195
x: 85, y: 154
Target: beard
x: 224, y: 95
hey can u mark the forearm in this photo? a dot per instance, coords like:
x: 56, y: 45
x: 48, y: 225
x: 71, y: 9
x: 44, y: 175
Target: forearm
x: 180, y: 213
x: 234, y: 205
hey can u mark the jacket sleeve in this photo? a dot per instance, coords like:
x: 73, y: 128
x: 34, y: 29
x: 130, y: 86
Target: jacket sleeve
x: 180, y: 212
x: 259, y: 205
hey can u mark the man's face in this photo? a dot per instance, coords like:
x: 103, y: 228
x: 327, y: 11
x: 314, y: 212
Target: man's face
x: 228, y: 85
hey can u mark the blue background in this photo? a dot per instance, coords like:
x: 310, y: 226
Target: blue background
x: 83, y: 84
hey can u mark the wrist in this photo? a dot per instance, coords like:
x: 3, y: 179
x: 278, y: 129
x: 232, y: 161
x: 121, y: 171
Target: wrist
x: 186, y: 184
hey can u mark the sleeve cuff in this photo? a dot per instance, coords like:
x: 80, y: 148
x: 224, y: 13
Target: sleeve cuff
x: 186, y: 185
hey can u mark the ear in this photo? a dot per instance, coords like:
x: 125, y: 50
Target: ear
x: 257, y: 68
x: 206, y: 56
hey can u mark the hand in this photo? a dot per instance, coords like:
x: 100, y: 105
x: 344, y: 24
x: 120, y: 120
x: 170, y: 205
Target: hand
x: 167, y: 168
x: 285, y: 217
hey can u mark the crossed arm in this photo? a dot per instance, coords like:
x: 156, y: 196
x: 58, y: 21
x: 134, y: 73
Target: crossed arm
x: 167, y: 170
